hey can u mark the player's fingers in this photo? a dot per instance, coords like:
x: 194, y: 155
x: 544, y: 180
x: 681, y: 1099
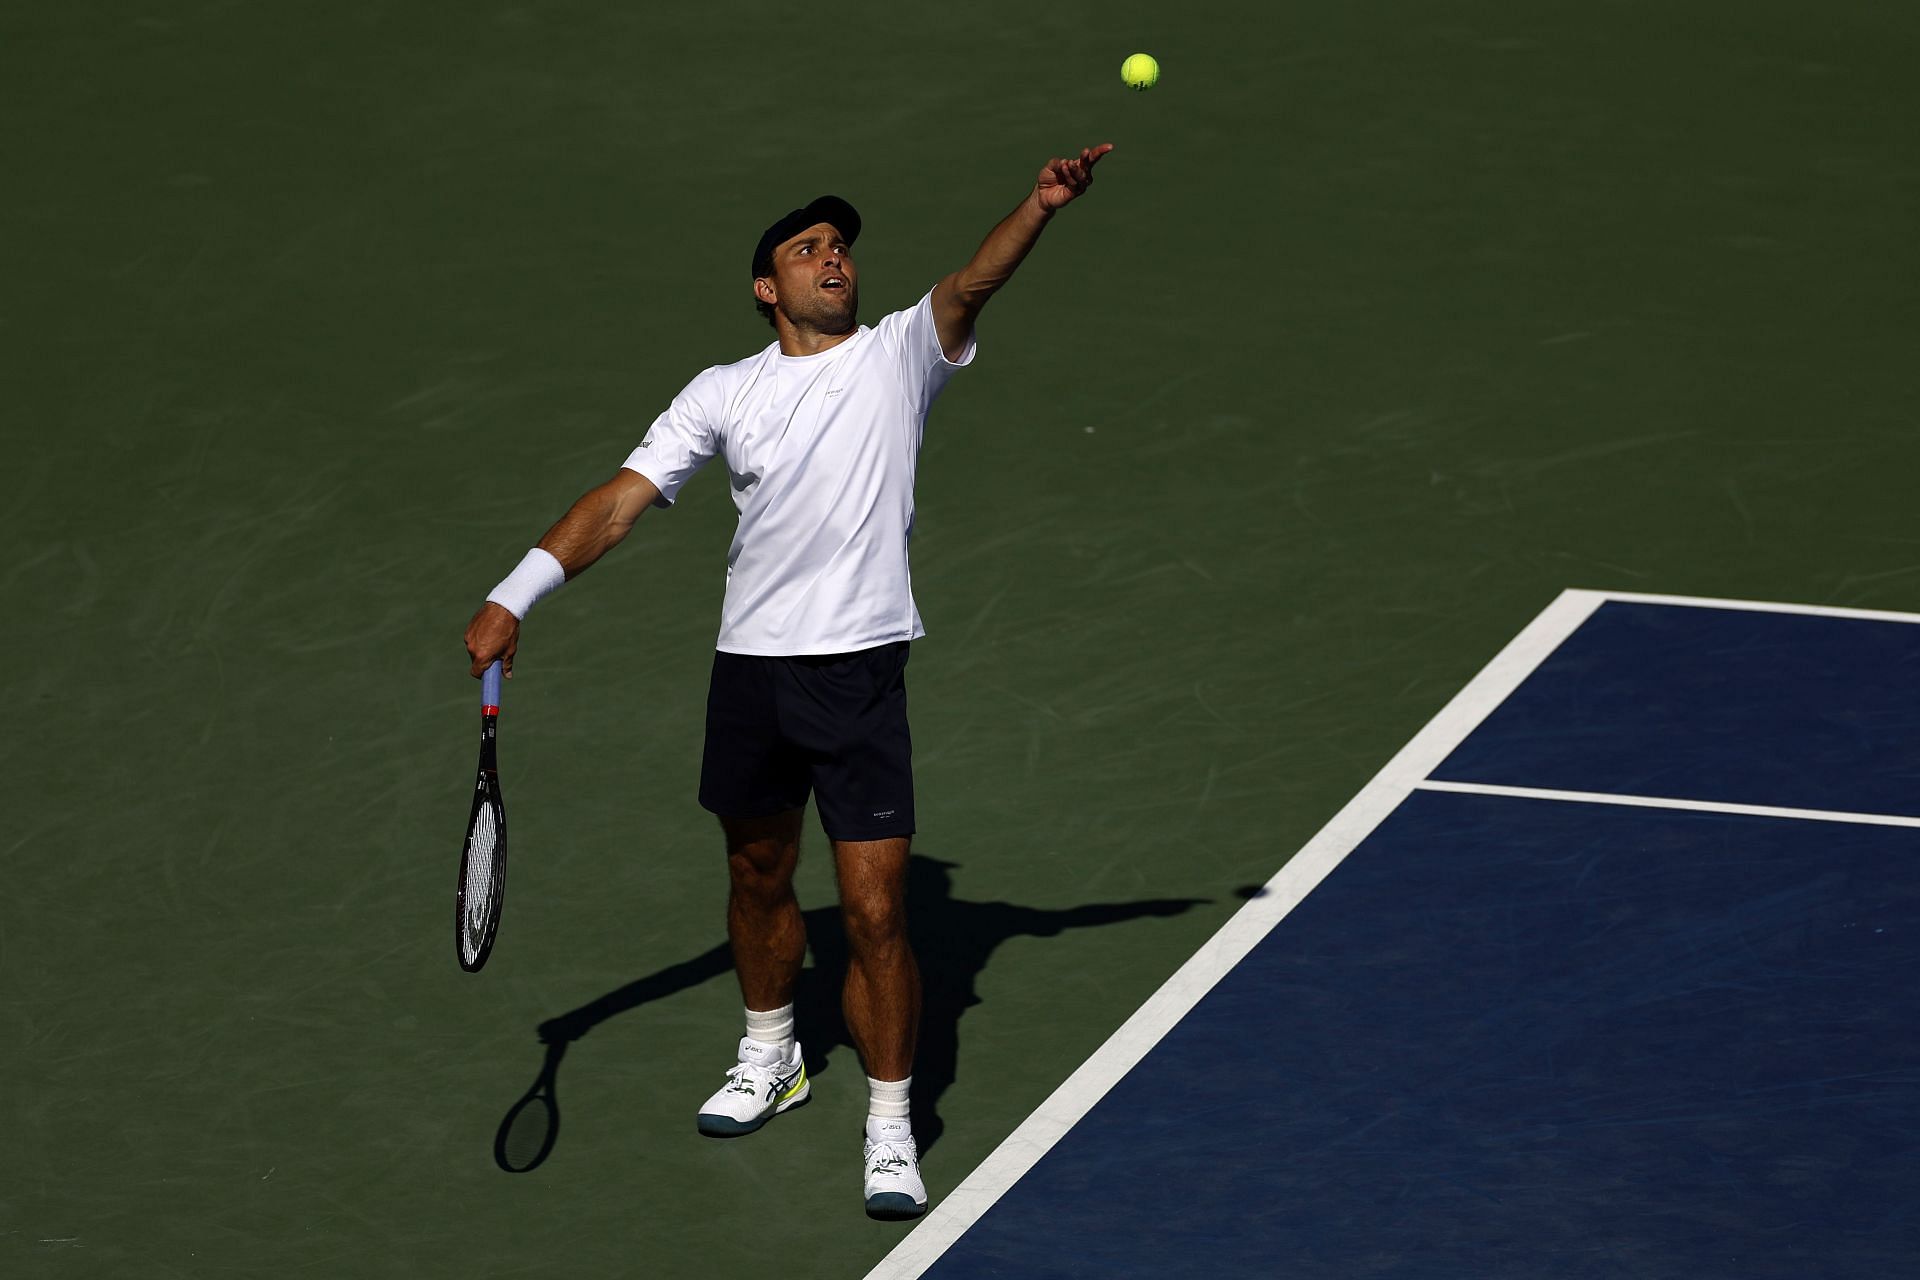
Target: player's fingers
x: 479, y: 649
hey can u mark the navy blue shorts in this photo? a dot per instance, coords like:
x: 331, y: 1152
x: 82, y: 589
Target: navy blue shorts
x: 833, y: 725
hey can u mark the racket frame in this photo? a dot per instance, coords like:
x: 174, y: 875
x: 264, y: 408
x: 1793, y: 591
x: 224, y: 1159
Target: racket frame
x: 486, y: 792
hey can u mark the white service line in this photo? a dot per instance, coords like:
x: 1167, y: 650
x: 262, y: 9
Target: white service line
x: 1762, y: 606
x: 1022, y: 1149
x: 1663, y: 802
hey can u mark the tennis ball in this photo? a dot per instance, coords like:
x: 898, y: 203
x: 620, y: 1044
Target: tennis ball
x: 1140, y: 71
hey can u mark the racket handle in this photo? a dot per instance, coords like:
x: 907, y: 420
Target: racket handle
x: 490, y: 686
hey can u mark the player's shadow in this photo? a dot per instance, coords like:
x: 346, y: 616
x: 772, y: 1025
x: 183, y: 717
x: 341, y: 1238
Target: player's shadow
x: 953, y: 939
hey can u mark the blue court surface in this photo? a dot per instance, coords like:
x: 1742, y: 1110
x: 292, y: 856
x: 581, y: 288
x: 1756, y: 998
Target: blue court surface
x: 1606, y: 974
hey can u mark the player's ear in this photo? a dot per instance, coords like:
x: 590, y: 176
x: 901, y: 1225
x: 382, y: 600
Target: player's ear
x: 763, y: 290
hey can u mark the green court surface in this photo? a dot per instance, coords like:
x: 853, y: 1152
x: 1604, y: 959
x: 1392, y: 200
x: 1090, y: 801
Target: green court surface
x: 1383, y: 324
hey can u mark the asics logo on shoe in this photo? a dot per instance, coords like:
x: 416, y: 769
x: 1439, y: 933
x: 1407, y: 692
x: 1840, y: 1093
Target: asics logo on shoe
x: 783, y: 1083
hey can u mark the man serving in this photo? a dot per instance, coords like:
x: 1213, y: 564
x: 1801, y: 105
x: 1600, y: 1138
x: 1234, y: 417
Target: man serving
x: 821, y: 436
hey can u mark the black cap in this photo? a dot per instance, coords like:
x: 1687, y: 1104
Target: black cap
x: 834, y: 211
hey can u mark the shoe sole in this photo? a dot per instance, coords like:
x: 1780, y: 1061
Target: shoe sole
x: 718, y: 1126
x: 894, y: 1206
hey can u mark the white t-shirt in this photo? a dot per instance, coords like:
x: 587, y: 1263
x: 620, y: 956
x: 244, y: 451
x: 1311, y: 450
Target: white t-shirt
x: 821, y: 450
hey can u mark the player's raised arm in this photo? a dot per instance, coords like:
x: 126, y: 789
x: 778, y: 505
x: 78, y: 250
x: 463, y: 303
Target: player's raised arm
x: 592, y: 527
x: 958, y: 298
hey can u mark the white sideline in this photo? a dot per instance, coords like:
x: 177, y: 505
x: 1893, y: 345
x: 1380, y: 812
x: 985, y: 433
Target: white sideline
x: 1302, y: 873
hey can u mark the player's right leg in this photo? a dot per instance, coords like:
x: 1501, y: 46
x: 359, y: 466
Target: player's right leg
x: 764, y: 925
x: 769, y: 942
x: 758, y: 785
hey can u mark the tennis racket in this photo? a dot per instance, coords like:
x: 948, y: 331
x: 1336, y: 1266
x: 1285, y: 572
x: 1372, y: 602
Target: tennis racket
x: 483, y: 862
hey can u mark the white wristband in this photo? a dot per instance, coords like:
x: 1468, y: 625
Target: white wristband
x: 538, y: 574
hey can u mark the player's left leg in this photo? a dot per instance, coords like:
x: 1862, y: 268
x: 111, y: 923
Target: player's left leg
x: 881, y: 1001
x: 849, y: 713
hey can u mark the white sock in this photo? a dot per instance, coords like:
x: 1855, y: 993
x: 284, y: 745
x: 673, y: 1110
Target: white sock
x: 887, y: 1109
x: 774, y: 1027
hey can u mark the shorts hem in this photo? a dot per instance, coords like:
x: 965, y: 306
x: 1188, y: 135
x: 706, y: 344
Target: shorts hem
x: 878, y: 833
x: 748, y: 812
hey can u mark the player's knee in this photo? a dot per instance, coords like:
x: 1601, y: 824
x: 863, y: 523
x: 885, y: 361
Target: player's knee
x: 875, y: 923
x: 762, y: 869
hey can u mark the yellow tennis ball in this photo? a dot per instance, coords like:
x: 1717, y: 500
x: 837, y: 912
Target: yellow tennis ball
x: 1140, y: 71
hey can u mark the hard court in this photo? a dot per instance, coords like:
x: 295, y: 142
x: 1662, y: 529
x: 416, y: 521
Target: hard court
x: 1647, y: 1014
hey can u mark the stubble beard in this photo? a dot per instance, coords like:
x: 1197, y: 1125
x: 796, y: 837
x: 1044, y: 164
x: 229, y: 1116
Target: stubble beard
x: 824, y: 313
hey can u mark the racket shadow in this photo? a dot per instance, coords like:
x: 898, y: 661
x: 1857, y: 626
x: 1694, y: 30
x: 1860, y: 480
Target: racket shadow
x: 954, y: 940
x: 531, y: 1127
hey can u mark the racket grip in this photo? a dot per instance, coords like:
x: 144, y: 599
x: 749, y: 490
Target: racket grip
x: 490, y: 686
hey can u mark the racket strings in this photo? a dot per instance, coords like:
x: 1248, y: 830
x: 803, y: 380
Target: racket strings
x: 480, y: 889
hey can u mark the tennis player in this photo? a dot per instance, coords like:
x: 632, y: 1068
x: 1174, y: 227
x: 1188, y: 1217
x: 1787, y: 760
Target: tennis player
x: 821, y: 433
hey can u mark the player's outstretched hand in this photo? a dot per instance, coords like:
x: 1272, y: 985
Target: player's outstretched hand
x: 493, y: 633
x: 1063, y: 181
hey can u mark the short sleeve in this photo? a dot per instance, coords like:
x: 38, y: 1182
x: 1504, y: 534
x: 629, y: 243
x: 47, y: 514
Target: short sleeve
x: 910, y: 338
x: 681, y: 440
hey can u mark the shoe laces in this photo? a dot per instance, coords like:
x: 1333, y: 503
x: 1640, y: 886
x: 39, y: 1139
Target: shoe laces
x: 745, y: 1077
x: 890, y: 1157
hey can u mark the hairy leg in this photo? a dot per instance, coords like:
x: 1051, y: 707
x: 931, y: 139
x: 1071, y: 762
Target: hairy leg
x: 763, y: 918
x: 882, y: 996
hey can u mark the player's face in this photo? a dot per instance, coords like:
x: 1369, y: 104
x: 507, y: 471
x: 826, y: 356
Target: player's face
x: 814, y: 281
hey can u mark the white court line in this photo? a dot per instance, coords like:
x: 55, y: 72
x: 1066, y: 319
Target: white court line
x: 1762, y: 606
x: 1023, y: 1148
x: 1662, y: 802
x: 1405, y: 773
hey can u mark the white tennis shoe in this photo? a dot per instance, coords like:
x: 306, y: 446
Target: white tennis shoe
x: 893, y: 1187
x: 759, y: 1087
